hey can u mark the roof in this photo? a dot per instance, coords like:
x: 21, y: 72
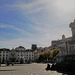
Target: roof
x: 19, y: 47
x: 4, y: 49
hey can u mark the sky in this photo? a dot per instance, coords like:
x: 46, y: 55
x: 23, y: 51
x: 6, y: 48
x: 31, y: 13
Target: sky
x: 26, y: 22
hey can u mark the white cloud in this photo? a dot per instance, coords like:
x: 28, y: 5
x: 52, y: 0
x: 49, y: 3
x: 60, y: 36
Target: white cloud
x: 26, y: 42
x: 48, y: 18
x: 15, y: 28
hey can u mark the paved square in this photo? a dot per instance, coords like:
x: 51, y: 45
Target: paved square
x: 26, y: 69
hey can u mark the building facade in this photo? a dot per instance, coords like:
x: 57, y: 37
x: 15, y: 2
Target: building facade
x: 4, y: 54
x: 67, y: 48
x: 15, y: 55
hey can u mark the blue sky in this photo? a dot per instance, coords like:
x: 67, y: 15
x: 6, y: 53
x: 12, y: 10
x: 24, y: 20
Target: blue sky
x: 26, y: 22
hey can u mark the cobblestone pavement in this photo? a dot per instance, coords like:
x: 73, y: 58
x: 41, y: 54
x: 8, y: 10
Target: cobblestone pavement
x: 26, y: 69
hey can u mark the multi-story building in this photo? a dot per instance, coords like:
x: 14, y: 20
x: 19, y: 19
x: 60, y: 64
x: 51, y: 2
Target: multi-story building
x: 25, y: 54
x: 20, y: 53
x: 4, y: 54
x: 15, y: 55
x: 34, y: 47
x: 29, y: 55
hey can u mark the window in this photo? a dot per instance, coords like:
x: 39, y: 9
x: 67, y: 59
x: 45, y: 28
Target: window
x: 32, y: 57
x: 21, y: 54
x: 27, y: 57
x: 21, y: 51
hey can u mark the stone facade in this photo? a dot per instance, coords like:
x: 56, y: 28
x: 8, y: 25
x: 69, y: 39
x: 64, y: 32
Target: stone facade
x: 68, y: 46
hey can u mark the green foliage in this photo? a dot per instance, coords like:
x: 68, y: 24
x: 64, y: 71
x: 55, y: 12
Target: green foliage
x: 48, y: 56
x: 45, y: 56
x: 55, y: 52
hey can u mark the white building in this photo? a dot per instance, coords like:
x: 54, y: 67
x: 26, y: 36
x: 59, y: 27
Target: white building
x: 4, y: 54
x: 27, y: 55
x: 15, y: 55
x: 20, y: 53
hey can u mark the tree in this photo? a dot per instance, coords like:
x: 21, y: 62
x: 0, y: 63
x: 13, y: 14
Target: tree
x: 55, y: 52
x: 48, y: 56
x: 45, y: 56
